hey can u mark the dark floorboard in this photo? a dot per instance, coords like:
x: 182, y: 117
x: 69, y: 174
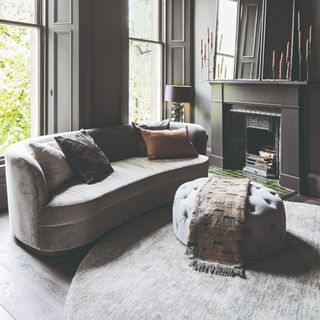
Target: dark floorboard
x: 34, y: 287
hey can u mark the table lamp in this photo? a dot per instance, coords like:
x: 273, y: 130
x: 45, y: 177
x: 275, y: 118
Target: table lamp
x: 178, y: 95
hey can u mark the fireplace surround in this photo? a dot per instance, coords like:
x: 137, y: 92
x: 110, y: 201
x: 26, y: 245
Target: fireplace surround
x: 237, y: 103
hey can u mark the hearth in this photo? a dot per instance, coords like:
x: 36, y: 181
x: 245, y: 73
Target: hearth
x: 262, y: 145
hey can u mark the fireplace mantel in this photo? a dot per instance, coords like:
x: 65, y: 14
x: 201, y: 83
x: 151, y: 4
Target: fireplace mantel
x: 287, y: 98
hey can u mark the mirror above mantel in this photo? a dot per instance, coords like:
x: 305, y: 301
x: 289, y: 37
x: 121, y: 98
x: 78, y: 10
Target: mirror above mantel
x: 226, y: 39
x: 259, y: 40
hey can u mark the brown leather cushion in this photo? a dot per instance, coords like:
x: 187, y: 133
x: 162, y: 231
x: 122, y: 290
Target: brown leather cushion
x: 168, y: 144
x: 162, y: 125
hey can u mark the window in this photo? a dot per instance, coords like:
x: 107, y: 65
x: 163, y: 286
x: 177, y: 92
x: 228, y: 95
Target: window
x: 145, y: 60
x: 20, y: 27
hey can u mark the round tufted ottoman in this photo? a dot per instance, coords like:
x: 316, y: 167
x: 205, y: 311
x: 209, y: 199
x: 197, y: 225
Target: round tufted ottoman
x: 265, y: 223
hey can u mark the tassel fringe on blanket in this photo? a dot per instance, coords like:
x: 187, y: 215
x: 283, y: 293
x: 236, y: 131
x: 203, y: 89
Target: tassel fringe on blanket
x: 214, y: 268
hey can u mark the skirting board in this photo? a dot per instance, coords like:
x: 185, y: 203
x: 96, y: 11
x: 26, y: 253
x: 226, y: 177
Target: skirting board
x: 312, y: 185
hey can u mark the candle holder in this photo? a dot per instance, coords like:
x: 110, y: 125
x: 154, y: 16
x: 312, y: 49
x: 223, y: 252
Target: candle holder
x: 300, y: 65
x: 273, y: 72
x: 288, y: 71
x: 307, y: 67
x: 310, y: 65
x: 208, y: 64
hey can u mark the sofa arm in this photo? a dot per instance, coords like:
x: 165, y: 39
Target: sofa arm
x: 27, y: 194
x: 197, y: 135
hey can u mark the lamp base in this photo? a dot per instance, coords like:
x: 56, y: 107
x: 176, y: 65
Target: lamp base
x: 177, y: 112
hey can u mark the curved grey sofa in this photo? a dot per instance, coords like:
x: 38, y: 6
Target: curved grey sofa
x: 76, y: 214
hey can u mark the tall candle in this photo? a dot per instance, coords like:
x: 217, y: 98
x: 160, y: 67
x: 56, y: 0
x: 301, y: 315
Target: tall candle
x: 299, y: 20
x: 281, y: 66
x: 201, y: 46
x: 205, y: 50
x: 307, y: 48
x: 213, y: 62
x: 274, y: 58
x: 300, y: 40
x: 310, y: 36
x: 211, y: 39
x: 288, y: 50
x: 208, y: 35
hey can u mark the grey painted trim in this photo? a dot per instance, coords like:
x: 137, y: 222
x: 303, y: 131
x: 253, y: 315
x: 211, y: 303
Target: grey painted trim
x: 20, y: 24
x: 256, y: 104
x: 71, y: 72
x: 254, y: 35
x: 55, y: 84
x: 145, y: 40
x: 55, y: 13
x: 172, y: 64
x: 183, y: 22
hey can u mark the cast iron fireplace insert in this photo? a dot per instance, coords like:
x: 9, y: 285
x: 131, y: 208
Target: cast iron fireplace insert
x: 254, y: 141
x: 262, y: 145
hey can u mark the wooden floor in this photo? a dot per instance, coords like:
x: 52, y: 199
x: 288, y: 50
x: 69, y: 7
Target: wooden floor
x: 31, y: 286
x: 34, y: 287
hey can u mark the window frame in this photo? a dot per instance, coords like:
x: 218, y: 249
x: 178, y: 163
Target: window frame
x: 40, y: 25
x: 161, y: 42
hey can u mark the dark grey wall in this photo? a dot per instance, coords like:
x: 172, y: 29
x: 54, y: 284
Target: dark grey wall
x: 101, y: 77
x: 316, y: 38
x: 205, y: 13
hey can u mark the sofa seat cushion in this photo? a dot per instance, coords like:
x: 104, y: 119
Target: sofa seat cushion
x: 75, y: 202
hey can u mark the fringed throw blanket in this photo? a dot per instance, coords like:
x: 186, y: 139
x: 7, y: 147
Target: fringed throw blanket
x: 217, y: 225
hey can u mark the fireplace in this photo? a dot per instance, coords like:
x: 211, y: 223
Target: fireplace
x: 262, y: 140
x: 254, y: 141
x: 257, y: 126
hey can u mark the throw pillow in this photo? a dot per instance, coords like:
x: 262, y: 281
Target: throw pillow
x: 168, y: 144
x: 142, y: 148
x: 53, y: 164
x: 86, y: 159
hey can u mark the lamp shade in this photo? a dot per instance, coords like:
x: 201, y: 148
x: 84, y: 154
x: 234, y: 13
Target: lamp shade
x: 179, y: 93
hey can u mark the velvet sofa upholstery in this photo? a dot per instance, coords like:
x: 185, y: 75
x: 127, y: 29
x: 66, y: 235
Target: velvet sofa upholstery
x: 76, y: 214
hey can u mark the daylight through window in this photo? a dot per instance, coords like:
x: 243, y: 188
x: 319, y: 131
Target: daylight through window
x: 145, y: 60
x: 19, y: 70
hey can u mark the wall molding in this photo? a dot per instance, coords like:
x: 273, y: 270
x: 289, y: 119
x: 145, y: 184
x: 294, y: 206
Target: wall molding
x: 56, y: 10
x: 183, y: 21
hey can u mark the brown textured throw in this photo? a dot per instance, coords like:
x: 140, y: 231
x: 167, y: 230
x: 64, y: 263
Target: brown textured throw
x: 217, y: 226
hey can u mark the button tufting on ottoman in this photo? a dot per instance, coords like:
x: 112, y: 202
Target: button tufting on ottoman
x: 265, y: 223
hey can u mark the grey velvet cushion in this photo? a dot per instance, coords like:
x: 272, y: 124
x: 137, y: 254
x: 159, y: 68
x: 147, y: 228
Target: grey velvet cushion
x: 265, y: 222
x: 142, y: 148
x: 86, y: 159
x: 53, y: 164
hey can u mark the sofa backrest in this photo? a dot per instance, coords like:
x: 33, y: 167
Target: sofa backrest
x: 117, y: 143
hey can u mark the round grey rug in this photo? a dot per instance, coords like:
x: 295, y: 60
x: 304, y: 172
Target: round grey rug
x: 139, y: 271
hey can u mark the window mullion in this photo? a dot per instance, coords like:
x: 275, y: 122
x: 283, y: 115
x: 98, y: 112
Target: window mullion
x: 19, y: 24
